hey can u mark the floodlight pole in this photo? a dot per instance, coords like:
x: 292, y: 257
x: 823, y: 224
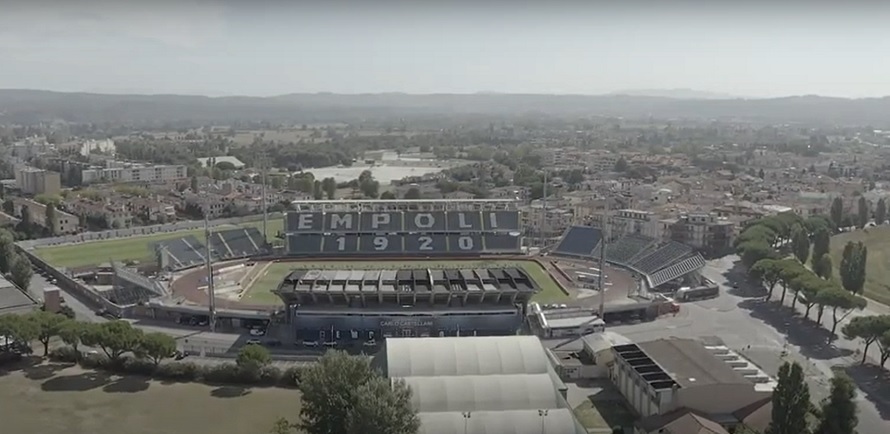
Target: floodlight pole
x: 543, y: 212
x: 211, y: 293
x: 263, y: 164
x: 603, y: 239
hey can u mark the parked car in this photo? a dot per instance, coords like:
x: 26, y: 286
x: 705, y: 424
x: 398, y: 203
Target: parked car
x: 370, y: 343
x: 257, y: 332
x: 254, y: 342
x: 308, y: 343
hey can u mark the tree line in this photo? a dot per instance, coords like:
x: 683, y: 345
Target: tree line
x: 341, y: 394
x: 760, y: 246
x: 793, y: 409
x: 13, y: 263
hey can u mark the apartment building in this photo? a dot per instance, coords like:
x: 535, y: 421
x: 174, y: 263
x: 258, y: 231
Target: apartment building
x: 704, y: 231
x: 631, y: 221
x: 35, y: 181
x: 117, y: 171
x: 151, y: 210
x: 549, y: 223
x: 110, y: 215
x: 66, y: 223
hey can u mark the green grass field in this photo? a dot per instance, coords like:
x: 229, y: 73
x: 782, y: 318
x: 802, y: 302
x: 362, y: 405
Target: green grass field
x: 51, y: 399
x: 127, y: 249
x: 877, y: 278
x: 261, y: 291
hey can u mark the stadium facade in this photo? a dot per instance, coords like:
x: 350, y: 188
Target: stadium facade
x: 342, y: 304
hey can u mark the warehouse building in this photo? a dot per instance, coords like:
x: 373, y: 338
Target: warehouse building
x: 493, y: 384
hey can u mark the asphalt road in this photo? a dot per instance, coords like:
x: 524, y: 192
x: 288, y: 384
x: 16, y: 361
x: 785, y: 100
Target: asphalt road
x: 769, y: 335
x: 81, y: 311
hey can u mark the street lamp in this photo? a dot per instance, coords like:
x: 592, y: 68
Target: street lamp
x: 543, y: 414
x: 467, y: 415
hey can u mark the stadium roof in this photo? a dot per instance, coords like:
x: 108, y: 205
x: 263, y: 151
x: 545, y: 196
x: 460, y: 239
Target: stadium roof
x: 13, y: 300
x: 483, y: 393
x: 441, y: 356
x: 556, y: 420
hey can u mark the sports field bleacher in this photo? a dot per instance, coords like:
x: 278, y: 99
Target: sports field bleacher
x: 627, y: 247
x: 690, y: 263
x: 130, y: 287
x: 579, y: 242
x: 182, y: 252
x: 665, y: 255
x: 236, y: 243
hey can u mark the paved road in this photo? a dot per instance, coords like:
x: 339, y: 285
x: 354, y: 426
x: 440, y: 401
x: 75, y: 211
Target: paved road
x: 81, y: 311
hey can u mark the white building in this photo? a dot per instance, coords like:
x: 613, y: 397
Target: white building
x: 116, y: 171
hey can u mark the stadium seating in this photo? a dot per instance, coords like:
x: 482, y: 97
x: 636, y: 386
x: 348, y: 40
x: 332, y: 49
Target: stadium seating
x: 236, y: 243
x: 182, y: 252
x: 667, y: 254
x: 578, y: 242
x: 684, y: 266
x: 130, y: 287
x: 627, y: 247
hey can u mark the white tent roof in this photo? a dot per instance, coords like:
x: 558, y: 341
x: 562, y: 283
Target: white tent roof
x: 500, y: 422
x: 483, y: 393
x: 454, y: 356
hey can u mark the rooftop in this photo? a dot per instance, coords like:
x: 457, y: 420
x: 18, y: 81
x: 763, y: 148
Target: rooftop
x: 680, y: 421
x: 689, y: 363
x: 13, y: 300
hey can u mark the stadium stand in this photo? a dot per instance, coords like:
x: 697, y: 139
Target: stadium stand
x: 236, y: 243
x: 130, y: 287
x: 182, y: 252
x: 667, y: 254
x: 684, y: 266
x: 578, y: 242
x: 627, y: 247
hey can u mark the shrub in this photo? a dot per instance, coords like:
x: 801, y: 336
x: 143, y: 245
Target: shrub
x: 292, y: 376
x: 95, y: 361
x: 269, y: 375
x: 7, y: 358
x: 178, y: 371
x: 64, y: 354
x: 136, y: 366
x: 222, y: 373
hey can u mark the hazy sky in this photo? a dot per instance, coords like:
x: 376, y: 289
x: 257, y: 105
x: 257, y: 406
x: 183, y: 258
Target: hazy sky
x: 219, y: 47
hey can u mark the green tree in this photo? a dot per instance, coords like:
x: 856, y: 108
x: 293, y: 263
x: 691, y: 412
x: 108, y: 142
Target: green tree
x: 50, y: 218
x: 753, y: 251
x: 193, y: 184
x: 17, y: 328
x: 863, y: 215
x: 282, y: 426
x: 317, y: 191
x: 48, y: 326
x: 9, y: 207
x: 253, y: 357
x: 157, y: 346
x: 769, y: 272
x: 7, y: 250
x: 20, y: 269
x: 838, y: 412
x: 791, y: 402
x: 332, y: 389
x: 382, y: 407
x: 329, y: 185
x: 760, y: 174
x: 71, y: 332
x: 800, y: 243
x: 884, y: 345
x: 789, y: 270
x: 841, y: 302
x: 413, y: 193
x: 881, y: 212
x: 823, y: 267
x: 867, y: 328
x: 821, y: 243
x: 809, y: 289
x: 114, y: 338
x: 388, y: 195
x: 621, y: 165
x: 853, y: 265
x: 837, y: 211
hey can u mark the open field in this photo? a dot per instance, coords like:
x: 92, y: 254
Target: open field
x: 260, y: 291
x: 137, y: 248
x: 877, y: 278
x: 52, y: 399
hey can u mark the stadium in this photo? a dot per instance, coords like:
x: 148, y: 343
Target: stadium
x: 362, y: 269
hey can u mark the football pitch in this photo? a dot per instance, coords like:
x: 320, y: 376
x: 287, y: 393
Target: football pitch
x: 261, y: 290
x: 136, y: 248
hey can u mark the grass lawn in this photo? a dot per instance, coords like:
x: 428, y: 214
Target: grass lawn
x: 48, y: 400
x: 260, y: 291
x: 136, y: 248
x: 877, y: 278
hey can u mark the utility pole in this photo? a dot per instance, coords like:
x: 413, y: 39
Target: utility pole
x: 543, y: 213
x: 211, y: 293
x: 603, y: 239
x: 263, y: 163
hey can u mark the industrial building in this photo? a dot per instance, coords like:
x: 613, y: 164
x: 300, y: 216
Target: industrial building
x: 676, y: 376
x: 503, y: 385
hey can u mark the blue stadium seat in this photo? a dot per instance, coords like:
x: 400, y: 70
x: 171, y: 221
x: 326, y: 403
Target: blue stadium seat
x: 669, y: 253
x: 623, y: 250
x: 579, y: 242
x: 690, y: 263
